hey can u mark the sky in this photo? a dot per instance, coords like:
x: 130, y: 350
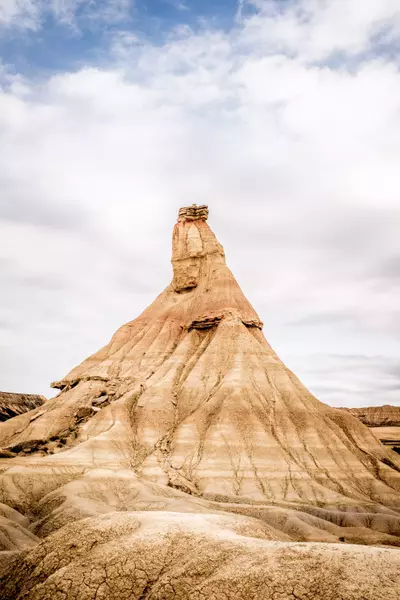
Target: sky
x: 282, y: 116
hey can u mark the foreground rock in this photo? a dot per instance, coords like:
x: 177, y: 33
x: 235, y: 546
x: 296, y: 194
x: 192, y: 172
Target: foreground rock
x: 12, y: 405
x: 168, y: 555
x: 185, y: 460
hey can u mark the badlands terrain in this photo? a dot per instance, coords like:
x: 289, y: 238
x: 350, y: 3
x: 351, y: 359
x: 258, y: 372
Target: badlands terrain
x: 12, y: 405
x: 184, y: 460
x: 384, y: 422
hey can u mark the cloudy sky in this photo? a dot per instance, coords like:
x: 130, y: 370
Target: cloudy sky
x: 282, y: 116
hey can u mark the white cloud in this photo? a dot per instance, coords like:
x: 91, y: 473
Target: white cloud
x: 316, y: 29
x: 298, y: 163
x: 24, y: 13
x: 346, y: 380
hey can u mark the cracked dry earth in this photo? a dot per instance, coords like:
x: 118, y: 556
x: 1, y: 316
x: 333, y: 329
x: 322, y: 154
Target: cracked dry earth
x: 184, y: 460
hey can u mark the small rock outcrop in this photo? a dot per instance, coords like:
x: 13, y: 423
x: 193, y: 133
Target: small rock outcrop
x: 193, y: 213
x: 12, y: 405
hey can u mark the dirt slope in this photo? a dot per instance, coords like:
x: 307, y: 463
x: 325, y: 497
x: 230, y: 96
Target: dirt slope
x: 166, y: 556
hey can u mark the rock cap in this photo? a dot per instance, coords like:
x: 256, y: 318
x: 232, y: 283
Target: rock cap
x: 193, y: 213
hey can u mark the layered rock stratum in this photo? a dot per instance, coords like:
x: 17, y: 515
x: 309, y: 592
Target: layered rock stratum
x: 12, y: 404
x: 185, y: 460
x: 384, y: 422
x: 378, y: 416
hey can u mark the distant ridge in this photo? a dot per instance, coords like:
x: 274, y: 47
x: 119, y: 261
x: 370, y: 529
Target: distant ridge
x: 12, y: 404
x: 384, y: 422
x: 378, y: 416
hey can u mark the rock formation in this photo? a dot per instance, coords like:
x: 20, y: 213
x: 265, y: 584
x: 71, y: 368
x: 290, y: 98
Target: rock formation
x: 12, y: 405
x: 188, y: 413
x: 384, y: 422
x: 378, y: 416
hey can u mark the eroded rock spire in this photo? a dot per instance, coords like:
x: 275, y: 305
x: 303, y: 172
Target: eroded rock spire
x: 194, y: 395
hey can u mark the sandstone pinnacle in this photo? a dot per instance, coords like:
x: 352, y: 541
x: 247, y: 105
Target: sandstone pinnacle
x: 184, y: 460
x: 200, y: 401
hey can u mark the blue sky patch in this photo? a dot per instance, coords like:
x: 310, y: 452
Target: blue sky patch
x: 64, y: 42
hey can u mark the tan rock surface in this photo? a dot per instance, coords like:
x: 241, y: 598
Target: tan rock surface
x: 12, y: 404
x: 14, y: 532
x: 389, y: 435
x: 378, y: 416
x: 384, y: 422
x: 186, y: 437
x: 169, y: 555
